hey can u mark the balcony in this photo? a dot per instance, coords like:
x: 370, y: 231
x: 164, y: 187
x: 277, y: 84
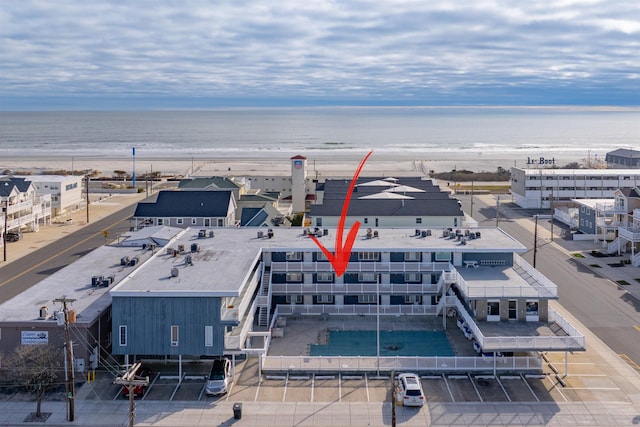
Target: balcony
x: 353, y: 288
x: 361, y: 266
x: 629, y: 233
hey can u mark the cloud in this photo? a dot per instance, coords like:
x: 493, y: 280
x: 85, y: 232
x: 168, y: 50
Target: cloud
x: 340, y: 51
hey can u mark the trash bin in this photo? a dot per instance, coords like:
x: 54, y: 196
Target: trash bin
x: 237, y: 411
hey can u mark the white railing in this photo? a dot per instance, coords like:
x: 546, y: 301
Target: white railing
x: 614, y: 246
x: 353, y: 288
x: 379, y: 267
x: 635, y: 260
x: 422, y: 364
x: 574, y: 340
x: 539, y: 287
x: 355, y: 310
x: 238, y: 335
x: 629, y: 233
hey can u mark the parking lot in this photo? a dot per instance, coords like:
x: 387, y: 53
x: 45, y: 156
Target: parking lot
x: 585, y: 383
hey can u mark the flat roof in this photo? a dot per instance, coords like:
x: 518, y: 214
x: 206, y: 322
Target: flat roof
x: 74, y: 282
x: 607, y: 172
x: 221, y: 265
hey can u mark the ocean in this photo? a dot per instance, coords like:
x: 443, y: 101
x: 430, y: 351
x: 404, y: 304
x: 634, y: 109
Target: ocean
x: 322, y: 132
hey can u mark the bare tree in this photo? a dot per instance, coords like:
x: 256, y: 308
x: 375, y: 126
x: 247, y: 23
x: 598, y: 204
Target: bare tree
x: 34, y: 367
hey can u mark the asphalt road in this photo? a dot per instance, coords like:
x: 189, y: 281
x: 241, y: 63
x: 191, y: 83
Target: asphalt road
x: 20, y: 275
x: 612, y: 314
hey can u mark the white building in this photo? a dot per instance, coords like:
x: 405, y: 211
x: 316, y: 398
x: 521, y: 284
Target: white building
x: 535, y: 188
x: 65, y: 191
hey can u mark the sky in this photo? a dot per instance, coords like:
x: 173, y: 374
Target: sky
x: 156, y: 54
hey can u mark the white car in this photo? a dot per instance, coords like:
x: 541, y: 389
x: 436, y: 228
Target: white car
x: 410, y: 389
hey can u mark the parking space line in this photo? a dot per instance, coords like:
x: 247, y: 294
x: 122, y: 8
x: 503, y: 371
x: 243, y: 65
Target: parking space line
x: 475, y: 388
x: 286, y: 383
x: 313, y: 385
x: 366, y: 385
x: 444, y: 377
x: 555, y: 385
x: 339, y: 387
x: 255, y: 399
x: 529, y: 387
x: 175, y: 390
x: 503, y: 389
x: 204, y: 386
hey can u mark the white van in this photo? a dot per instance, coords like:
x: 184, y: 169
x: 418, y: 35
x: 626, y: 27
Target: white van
x: 219, y: 378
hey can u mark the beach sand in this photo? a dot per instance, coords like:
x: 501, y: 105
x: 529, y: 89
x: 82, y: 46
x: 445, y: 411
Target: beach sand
x: 323, y: 165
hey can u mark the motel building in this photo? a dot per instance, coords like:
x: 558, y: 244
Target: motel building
x: 235, y: 291
x: 538, y: 188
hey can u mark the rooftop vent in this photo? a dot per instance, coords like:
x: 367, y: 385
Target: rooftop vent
x: 188, y: 260
x: 44, y: 313
x: 174, y: 272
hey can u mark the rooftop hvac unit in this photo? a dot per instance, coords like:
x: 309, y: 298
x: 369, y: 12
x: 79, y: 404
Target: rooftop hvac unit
x: 96, y: 280
x: 44, y: 312
x: 260, y: 235
x: 195, y: 247
x: 124, y: 260
x: 169, y: 251
x: 211, y: 233
x: 134, y: 261
x: 369, y: 233
x: 180, y: 248
x: 428, y: 232
x: 174, y: 272
x: 325, y: 232
x: 202, y: 234
x: 423, y: 233
x: 152, y: 247
x: 270, y: 233
x: 417, y: 232
x: 375, y: 233
x: 188, y: 260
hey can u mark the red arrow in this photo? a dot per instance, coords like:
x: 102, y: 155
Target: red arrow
x: 340, y: 258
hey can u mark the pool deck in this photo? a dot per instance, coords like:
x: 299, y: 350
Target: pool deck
x: 301, y: 332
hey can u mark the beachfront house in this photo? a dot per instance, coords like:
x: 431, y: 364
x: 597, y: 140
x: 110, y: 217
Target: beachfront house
x: 386, y: 202
x: 203, y: 209
x: 23, y: 208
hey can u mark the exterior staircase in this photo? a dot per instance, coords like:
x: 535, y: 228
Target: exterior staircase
x: 263, y: 308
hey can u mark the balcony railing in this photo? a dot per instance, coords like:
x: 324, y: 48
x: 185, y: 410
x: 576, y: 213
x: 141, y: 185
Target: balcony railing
x: 355, y: 310
x: 360, y: 266
x: 353, y: 288
x: 574, y: 340
x: 629, y: 233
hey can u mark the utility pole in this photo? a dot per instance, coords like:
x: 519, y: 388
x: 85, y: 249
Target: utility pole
x: 69, y: 356
x: 130, y: 381
x: 551, y: 205
x: 471, y: 214
x: 87, y: 193
x: 535, y: 241
x: 4, y: 234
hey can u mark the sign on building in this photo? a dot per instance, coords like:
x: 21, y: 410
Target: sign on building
x: 35, y: 337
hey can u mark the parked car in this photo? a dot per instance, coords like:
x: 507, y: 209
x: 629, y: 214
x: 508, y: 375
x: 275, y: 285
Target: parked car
x: 219, y: 377
x: 410, y: 389
x: 13, y: 236
x: 138, y: 390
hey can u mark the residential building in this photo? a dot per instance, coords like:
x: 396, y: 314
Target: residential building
x: 23, y: 208
x: 66, y: 191
x: 386, y: 202
x: 623, y: 158
x: 537, y: 188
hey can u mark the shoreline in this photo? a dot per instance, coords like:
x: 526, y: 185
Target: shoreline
x: 253, y: 164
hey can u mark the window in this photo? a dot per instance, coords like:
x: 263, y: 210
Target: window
x: 208, y: 336
x: 366, y: 221
x: 532, y: 308
x: 443, y: 256
x: 412, y: 256
x: 220, y: 222
x: 413, y: 277
x: 207, y: 222
x: 194, y: 221
x: 123, y: 335
x: 174, y: 335
x: 413, y: 299
x: 294, y: 299
x: 179, y: 221
x: 368, y: 256
x: 367, y: 299
x: 322, y: 257
x: 367, y: 277
x: 324, y: 277
x: 324, y: 299
x: 294, y: 256
x: 418, y: 220
x: 294, y: 277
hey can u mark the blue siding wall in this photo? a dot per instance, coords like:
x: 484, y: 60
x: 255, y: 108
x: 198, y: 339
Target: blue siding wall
x: 149, y: 321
